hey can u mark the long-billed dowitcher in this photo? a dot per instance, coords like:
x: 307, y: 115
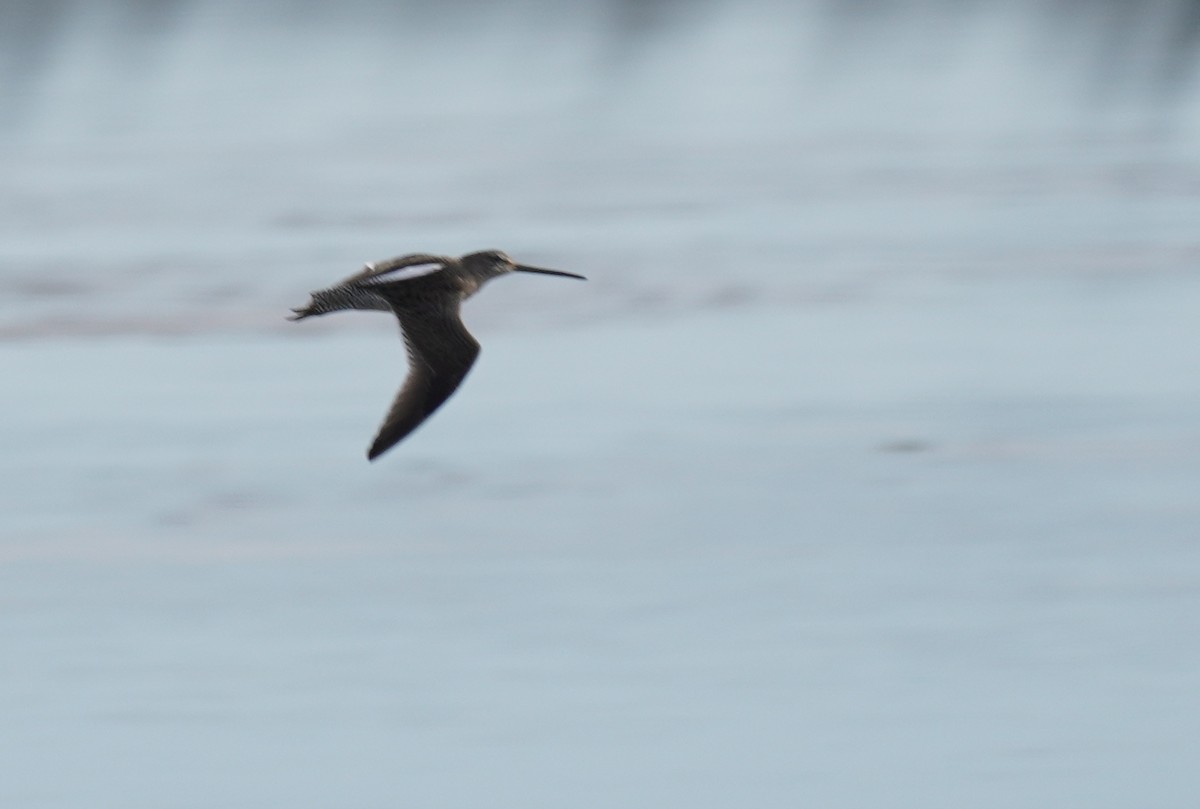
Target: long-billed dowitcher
x: 425, y: 293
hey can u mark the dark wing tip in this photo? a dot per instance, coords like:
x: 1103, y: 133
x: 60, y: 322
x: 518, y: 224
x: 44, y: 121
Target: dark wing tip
x: 402, y: 420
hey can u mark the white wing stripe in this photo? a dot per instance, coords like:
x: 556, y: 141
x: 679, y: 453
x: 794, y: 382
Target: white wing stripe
x: 404, y: 273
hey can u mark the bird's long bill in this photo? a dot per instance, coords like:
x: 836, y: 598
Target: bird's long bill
x: 540, y: 271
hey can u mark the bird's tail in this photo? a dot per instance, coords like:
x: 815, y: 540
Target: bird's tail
x: 338, y: 298
x: 302, y: 312
x: 321, y: 302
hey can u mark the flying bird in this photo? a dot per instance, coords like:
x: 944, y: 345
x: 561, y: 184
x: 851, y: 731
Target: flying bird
x: 425, y: 293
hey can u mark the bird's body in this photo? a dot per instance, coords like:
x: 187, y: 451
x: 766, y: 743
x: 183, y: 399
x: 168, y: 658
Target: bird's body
x: 425, y: 293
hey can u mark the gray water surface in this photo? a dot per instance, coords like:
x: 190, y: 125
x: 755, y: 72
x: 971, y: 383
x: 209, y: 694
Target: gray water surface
x: 862, y: 472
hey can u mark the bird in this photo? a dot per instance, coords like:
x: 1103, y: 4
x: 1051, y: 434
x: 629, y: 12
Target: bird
x: 425, y: 293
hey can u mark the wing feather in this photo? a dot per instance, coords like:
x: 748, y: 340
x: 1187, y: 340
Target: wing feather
x: 440, y: 353
x: 372, y: 270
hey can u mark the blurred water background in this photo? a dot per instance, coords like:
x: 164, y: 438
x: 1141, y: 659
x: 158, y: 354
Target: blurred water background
x: 862, y: 472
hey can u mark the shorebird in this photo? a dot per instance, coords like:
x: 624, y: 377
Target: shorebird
x: 424, y: 292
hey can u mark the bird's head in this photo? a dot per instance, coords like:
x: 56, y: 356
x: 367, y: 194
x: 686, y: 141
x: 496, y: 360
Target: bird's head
x: 491, y: 263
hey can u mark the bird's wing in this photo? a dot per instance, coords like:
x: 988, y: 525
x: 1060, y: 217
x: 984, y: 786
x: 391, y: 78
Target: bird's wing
x: 412, y: 266
x: 440, y: 352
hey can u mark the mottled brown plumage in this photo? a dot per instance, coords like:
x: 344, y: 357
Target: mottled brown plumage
x: 425, y: 293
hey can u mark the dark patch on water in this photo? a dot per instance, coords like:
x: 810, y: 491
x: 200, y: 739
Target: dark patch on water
x: 48, y: 287
x: 906, y: 446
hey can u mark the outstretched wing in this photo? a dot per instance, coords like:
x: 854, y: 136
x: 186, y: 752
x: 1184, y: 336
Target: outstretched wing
x: 440, y: 352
